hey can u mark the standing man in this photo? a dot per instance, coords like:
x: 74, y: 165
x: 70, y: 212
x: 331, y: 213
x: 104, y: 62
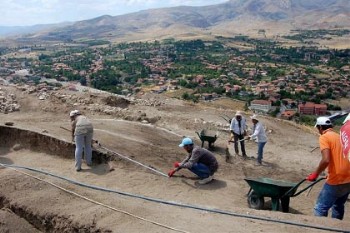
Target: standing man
x: 238, y: 128
x: 337, y: 187
x: 200, y: 161
x: 82, y: 132
x: 260, y: 135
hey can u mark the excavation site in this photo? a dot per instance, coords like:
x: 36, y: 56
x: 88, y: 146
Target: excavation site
x: 135, y: 144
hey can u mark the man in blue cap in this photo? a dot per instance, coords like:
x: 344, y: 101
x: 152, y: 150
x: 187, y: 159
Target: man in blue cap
x: 200, y: 161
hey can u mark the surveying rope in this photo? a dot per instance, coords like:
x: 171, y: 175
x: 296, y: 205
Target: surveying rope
x: 131, y: 160
x: 124, y: 157
x: 96, y: 202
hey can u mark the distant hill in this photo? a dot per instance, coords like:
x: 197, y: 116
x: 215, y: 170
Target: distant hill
x: 232, y: 17
x: 15, y: 30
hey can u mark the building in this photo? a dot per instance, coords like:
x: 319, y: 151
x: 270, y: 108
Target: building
x: 310, y: 108
x: 263, y: 106
x: 288, y: 114
x: 320, y: 109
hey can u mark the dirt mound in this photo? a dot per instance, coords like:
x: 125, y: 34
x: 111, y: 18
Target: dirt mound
x: 115, y: 101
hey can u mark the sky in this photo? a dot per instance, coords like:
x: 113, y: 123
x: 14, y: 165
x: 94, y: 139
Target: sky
x: 32, y: 12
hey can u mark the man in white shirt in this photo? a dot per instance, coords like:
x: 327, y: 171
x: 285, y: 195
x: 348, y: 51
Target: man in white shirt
x: 260, y: 135
x: 238, y: 128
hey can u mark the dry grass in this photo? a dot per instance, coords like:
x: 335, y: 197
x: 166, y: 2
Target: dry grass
x: 178, y: 93
x: 225, y: 103
x: 343, y: 103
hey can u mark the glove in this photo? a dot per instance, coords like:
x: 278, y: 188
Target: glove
x: 312, y: 177
x: 171, y: 172
x: 176, y: 164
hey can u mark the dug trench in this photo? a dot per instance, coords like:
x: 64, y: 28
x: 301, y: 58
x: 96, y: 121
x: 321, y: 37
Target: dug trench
x: 15, y: 139
x: 48, y: 222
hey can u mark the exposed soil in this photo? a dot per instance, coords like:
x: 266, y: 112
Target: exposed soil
x: 41, y: 141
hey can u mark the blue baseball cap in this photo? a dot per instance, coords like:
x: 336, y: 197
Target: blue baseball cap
x: 185, y: 142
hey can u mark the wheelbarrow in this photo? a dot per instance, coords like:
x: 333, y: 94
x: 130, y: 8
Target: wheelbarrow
x: 207, y: 136
x: 276, y: 189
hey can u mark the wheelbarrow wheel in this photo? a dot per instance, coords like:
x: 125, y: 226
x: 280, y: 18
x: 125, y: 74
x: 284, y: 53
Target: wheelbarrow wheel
x: 255, y: 201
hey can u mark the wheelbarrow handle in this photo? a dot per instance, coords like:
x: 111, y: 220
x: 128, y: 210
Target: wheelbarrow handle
x: 303, y: 190
x: 224, y: 117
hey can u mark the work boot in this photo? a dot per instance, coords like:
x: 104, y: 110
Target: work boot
x: 206, y: 180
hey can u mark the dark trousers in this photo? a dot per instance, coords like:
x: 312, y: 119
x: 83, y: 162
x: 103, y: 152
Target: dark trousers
x: 236, y: 138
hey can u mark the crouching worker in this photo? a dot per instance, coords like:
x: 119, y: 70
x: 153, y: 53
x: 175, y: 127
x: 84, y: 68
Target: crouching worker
x: 82, y: 132
x: 200, y: 161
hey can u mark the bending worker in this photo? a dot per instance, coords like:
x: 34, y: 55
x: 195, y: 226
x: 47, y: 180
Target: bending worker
x: 337, y: 187
x: 82, y: 132
x: 200, y: 161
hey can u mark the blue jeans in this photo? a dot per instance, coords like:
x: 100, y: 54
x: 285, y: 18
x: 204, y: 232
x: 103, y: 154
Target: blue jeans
x: 200, y: 170
x: 332, y: 196
x: 260, y: 151
x: 83, y: 141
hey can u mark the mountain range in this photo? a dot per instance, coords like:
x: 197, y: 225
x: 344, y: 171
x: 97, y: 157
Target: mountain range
x: 275, y: 17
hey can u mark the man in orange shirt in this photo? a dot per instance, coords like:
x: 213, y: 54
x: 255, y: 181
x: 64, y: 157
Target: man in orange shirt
x: 337, y: 187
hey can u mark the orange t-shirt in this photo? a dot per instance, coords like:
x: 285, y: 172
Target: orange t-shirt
x: 339, y: 166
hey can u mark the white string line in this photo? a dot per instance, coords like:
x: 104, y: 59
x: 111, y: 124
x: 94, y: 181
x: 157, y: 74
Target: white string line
x: 99, y: 203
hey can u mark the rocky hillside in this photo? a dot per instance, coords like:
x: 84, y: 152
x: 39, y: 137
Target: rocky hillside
x: 234, y: 16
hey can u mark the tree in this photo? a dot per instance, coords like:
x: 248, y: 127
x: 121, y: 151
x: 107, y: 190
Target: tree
x: 83, y: 81
x: 185, y: 96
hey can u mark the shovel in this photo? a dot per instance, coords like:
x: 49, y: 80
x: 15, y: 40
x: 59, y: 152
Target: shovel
x: 227, y: 151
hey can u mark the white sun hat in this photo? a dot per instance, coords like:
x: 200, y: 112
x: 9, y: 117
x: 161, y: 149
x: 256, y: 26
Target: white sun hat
x: 238, y: 113
x: 254, y: 117
x: 74, y: 113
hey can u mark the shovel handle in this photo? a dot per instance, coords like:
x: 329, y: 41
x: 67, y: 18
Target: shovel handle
x: 244, y: 139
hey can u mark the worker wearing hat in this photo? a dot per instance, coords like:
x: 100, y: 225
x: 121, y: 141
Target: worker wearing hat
x: 260, y: 135
x: 238, y: 128
x: 337, y: 187
x: 82, y: 132
x: 200, y: 161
